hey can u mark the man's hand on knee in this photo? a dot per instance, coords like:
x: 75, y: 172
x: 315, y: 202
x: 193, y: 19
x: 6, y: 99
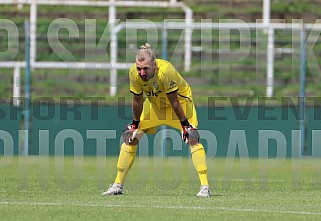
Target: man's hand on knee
x: 130, y: 133
x: 190, y: 134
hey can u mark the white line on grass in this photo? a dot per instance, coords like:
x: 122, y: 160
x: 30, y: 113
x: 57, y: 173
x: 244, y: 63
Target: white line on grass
x: 157, y: 207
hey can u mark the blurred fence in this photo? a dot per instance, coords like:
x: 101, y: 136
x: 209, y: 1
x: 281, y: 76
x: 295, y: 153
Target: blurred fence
x: 220, y: 52
x: 231, y: 52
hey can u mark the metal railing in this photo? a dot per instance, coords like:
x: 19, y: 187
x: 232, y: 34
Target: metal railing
x: 111, y: 4
x: 187, y: 25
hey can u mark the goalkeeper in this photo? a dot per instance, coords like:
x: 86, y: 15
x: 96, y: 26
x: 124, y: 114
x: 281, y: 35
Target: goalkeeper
x: 169, y: 102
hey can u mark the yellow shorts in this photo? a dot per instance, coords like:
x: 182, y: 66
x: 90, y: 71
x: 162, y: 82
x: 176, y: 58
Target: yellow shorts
x: 153, y: 116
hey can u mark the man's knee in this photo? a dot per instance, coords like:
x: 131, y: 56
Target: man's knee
x: 133, y: 142
x: 193, y: 137
x: 127, y: 137
x: 129, y: 148
x: 197, y: 148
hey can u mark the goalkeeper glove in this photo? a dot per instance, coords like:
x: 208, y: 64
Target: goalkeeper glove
x: 130, y: 131
x: 189, y: 133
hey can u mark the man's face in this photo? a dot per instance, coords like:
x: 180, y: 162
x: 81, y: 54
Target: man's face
x: 145, y: 69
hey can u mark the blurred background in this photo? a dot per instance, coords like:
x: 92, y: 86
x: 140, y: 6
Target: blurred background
x: 245, y: 49
x: 234, y: 65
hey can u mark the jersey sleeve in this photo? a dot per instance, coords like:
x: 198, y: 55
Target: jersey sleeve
x: 134, y: 85
x: 171, y: 79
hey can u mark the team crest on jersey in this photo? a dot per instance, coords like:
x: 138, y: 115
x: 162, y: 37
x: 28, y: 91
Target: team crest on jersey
x: 172, y: 84
x: 155, y: 85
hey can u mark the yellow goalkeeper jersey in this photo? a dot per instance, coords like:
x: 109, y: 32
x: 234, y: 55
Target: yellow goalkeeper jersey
x: 166, y: 80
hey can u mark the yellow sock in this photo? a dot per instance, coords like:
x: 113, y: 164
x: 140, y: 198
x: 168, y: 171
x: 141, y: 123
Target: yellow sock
x: 199, y: 162
x: 125, y: 161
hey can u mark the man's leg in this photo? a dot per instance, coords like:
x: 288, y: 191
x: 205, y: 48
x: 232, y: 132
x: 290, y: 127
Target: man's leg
x: 199, y: 162
x: 125, y: 161
x: 196, y: 148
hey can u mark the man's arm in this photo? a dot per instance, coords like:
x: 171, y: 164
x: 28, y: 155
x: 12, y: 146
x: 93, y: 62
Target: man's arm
x: 176, y: 105
x: 190, y: 134
x: 137, y: 106
x: 131, y: 133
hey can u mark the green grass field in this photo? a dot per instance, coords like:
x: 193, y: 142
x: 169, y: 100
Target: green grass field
x: 39, y: 188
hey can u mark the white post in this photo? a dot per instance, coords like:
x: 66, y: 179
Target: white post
x: 270, y: 48
x: 33, y: 28
x: 266, y: 11
x: 20, y: 4
x: 188, y: 38
x: 113, y: 49
x: 270, y: 63
x: 16, y: 86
